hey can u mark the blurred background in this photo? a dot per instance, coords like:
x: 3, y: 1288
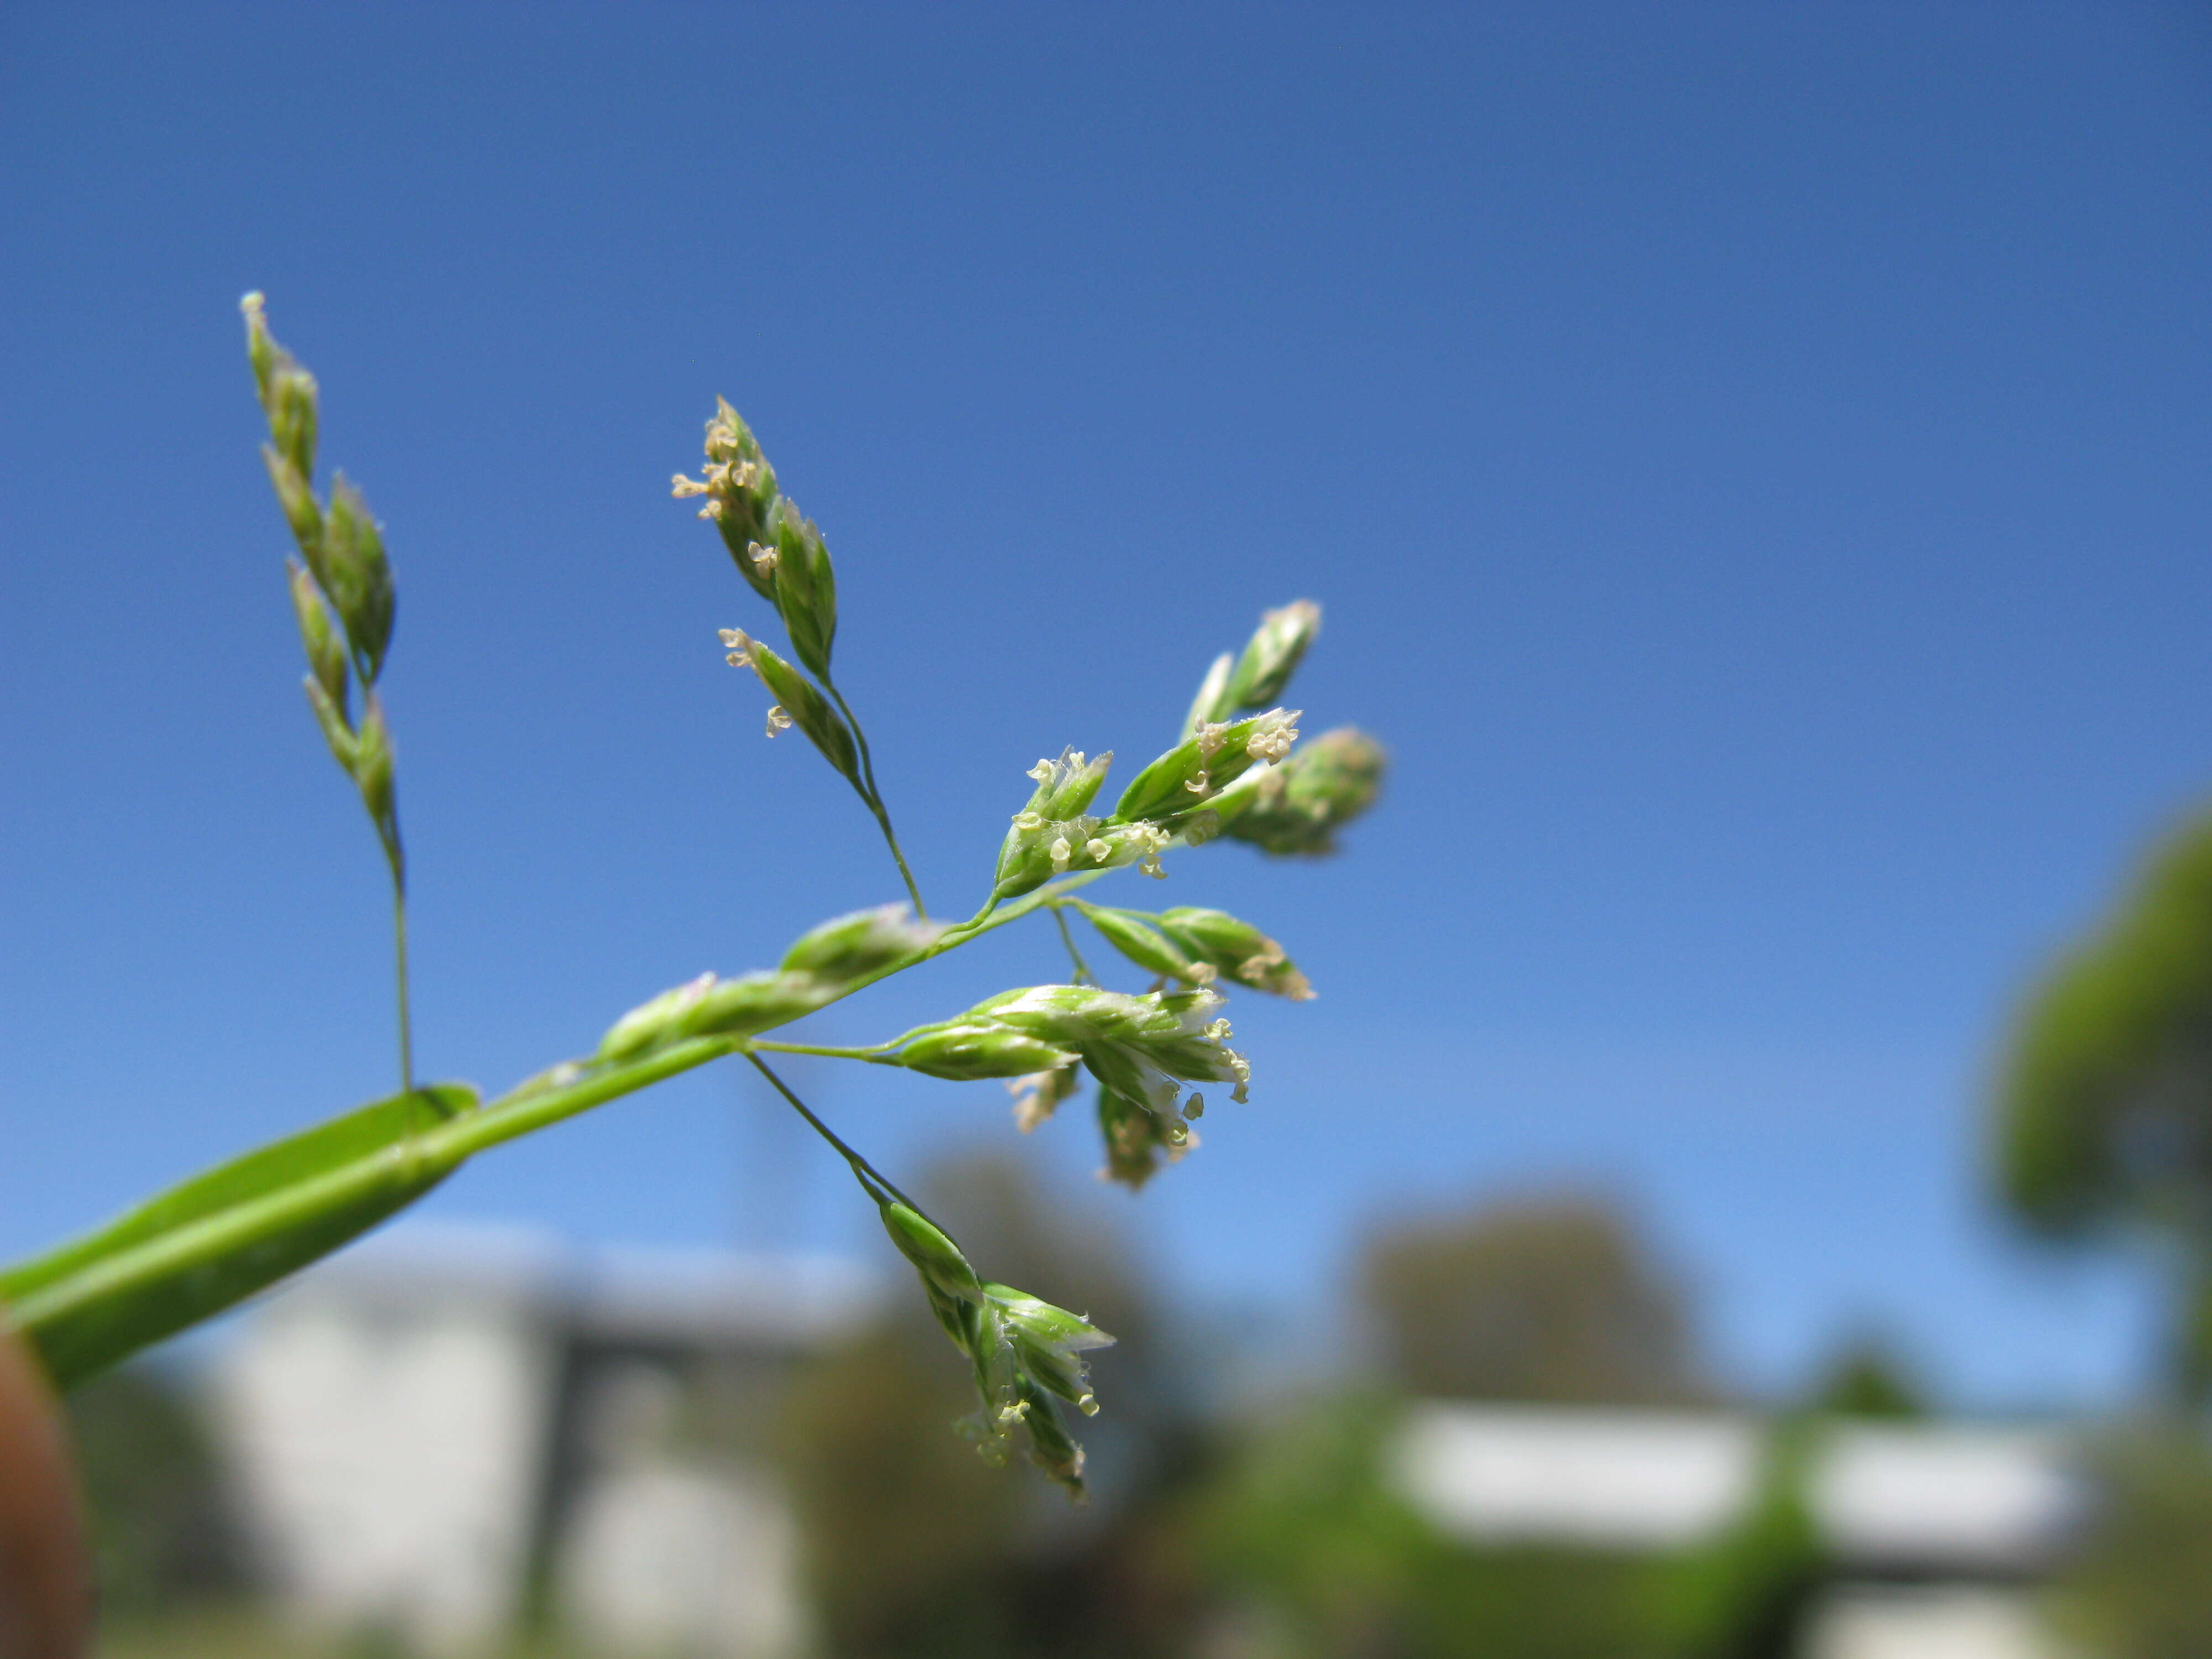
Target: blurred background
x: 1746, y: 1185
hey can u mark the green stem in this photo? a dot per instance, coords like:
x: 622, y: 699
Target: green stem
x: 530, y: 1108
x: 1082, y: 973
x: 869, y: 1176
x: 873, y: 797
x: 214, y: 1250
x: 874, y: 1056
x: 397, y: 856
x: 883, y: 821
x: 535, y: 1104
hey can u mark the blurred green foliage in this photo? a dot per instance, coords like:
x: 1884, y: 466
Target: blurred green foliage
x: 2141, y: 1586
x: 2104, y: 1112
x: 1273, y: 1530
x: 161, y: 1528
x: 1547, y: 1298
x: 1866, y: 1379
x: 1307, y: 1553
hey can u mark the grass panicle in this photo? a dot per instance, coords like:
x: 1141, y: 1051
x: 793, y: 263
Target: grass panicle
x: 203, y: 1245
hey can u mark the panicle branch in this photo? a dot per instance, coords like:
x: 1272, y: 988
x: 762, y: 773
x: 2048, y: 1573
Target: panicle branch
x: 1231, y: 771
x: 780, y: 554
x: 342, y: 572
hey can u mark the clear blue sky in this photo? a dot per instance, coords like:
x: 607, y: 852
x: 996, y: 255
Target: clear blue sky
x: 1753, y: 459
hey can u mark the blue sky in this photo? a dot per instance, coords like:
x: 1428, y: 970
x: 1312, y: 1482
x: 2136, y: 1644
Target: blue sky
x: 1752, y: 460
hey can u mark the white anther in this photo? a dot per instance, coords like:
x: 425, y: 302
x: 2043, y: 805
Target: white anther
x: 777, y: 719
x: 1254, y: 969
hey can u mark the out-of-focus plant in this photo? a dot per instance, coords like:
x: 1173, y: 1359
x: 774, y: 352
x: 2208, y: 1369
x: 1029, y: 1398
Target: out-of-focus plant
x: 162, y: 1532
x: 1745, y: 1594
x: 2141, y: 1585
x: 2103, y: 1121
x: 1314, y: 1554
x: 1867, y: 1380
x: 201, y: 1247
x: 1549, y: 1299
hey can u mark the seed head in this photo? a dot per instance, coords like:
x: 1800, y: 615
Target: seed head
x: 1051, y: 834
x: 1138, y: 936
x: 863, y: 942
x: 965, y: 1050
x: 1193, y: 772
x: 1038, y: 1095
x: 356, y: 575
x: 288, y: 392
x: 707, y: 1006
x: 799, y: 578
x: 1141, y: 1049
x: 1037, y: 850
x: 327, y: 657
x: 1234, y: 948
x: 1024, y: 1351
x: 740, y: 491
x: 797, y: 703
x: 372, y: 760
x: 1273, y: 654
x: 1262, y: 673
x: 1296, y: 808
x: 1050, y: 1342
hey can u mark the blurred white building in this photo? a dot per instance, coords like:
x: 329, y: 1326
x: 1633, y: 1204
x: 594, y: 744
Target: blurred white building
x: 445, y: 1431
x: 1937, y: 1533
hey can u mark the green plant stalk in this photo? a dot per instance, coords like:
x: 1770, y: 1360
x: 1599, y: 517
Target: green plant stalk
x: 873, y: 797
x: 873, y: 1056
x: 521, y: 1110
x: 870, y: 1178
x: 397, y: 859
x: 225, y: 1250
x: 1082, y: 973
